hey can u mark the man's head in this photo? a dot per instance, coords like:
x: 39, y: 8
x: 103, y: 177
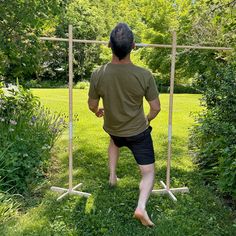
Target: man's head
x: 121, y: 40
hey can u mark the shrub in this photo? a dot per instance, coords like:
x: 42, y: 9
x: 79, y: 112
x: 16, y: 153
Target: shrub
x: 164, y: 86
x: 213, y: 136
x: 44, y: 84
x: 178, y: 89
x: 8, y: 207
x: 82, y: 85
x: 28, y: 133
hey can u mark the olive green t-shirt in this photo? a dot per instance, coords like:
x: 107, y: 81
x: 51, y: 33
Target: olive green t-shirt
x: 122, y: 88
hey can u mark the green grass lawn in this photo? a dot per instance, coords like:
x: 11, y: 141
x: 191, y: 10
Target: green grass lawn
x: 110, y: 211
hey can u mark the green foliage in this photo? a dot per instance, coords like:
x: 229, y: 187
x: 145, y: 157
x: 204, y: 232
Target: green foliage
x: 178, y: 89
x: 23, y: 56
x: 28, y: 133
x: 213, y: 136
x: 87, y: 23
x: 21, y: 22
x: 45, y: 84
x: 82, y: 85
x: 8, y: 209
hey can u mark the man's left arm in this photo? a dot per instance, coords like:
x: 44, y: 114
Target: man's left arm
x: 93, y: 100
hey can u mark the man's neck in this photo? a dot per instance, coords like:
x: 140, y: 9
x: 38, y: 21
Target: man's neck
x: 126, y: 60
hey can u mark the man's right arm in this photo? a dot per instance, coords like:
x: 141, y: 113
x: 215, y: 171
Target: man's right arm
x: 155, y: 108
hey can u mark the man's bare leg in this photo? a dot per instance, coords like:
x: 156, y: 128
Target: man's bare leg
x: 113, y: 154
x: 146, y: 186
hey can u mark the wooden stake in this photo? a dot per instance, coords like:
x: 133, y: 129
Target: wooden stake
x: 172, y: 77
x: 71, y: 190
x: 70, y: 107
x: 166, y: 186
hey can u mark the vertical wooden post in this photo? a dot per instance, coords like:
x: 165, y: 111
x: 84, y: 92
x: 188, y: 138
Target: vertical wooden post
x: 70, y: 190
x: 70, y: 107
x: 166, y: 187
x: 172, y: 76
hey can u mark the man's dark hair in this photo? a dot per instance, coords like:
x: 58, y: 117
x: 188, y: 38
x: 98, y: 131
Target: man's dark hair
x: 121, y: 40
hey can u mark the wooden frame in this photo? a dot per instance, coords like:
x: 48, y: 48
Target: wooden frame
x: 166, y: 187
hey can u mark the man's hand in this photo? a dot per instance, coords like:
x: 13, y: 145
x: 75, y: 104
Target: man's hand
x: 100, y: 112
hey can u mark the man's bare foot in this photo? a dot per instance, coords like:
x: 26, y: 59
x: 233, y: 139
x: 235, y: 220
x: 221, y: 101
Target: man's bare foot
x: 143, y: 217
x: 113, y: 181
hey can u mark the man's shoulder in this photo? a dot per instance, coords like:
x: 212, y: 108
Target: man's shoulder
x: 138, y: 69
x: 98, y: 70
x: 142, y: 70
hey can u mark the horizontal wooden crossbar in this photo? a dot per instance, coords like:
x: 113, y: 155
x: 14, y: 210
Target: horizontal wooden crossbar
x: 137, y: 44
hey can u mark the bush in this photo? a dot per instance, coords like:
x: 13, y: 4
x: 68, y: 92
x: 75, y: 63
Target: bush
x: 178, y: 89
x: 82, y: 85
x: 28, y: 133
x: 44, y: 84
x: 8, y: 207
x: 164, y: 86
x: 213, y: 136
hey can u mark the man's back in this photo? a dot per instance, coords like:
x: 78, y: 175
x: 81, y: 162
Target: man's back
x: 122, y: 88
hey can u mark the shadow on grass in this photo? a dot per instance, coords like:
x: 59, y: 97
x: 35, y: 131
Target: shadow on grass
x: 109, y: 211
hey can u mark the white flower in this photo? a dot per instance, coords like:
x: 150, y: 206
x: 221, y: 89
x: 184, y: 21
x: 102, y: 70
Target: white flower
x: 13, y: 122
x: 46, y: 147
x: 13, y: 87
x: 2, y: 119
x: 25, y: 155
x: 11, y: 130
x: 8, y: 92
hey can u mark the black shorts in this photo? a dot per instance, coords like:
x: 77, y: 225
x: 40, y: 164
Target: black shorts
x: 141, y: 146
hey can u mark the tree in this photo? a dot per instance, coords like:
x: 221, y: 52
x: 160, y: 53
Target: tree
x: 21, y: 22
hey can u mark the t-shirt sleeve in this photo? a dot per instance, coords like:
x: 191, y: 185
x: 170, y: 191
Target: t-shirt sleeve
x: 151, y: 90
x: 93, y: 93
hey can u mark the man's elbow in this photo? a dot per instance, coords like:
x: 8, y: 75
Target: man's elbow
x: 156, y: 109
x: 92, y: 107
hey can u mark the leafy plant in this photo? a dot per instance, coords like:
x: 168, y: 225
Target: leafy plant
x: 28, y: 133
x: 82, y: 85
x: 213, y: 136
x: 8, y: 208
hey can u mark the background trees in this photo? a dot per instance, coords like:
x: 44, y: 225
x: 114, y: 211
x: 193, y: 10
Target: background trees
x: 213, y: 137
x: 20, y: 24
x: 197, y: 22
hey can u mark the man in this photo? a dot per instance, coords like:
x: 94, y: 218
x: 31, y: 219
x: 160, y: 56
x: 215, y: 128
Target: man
x: 122, y: 86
